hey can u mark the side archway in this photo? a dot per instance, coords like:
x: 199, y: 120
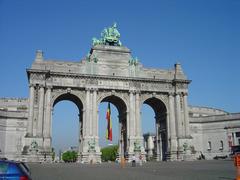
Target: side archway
x: 159, y: 140
x: 78, y: 102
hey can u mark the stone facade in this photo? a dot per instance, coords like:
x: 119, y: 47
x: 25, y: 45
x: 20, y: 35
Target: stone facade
x: 110, y: 74
x: 214, y: 131
x: 13, y: 123
x: 106, y: 75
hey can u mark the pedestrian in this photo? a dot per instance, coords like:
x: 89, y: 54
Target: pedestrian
x: 133, y: 161
x: 140, y: 160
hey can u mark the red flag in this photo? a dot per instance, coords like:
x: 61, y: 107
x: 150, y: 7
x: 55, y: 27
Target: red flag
x: 109, y: 124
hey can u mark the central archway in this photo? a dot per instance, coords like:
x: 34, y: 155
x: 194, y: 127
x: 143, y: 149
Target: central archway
x: 122, y: 120
x: 76, y: 100
x: 160, y: 136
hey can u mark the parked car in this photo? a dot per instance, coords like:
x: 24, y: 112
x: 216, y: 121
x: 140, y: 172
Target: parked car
x: 12, y: 170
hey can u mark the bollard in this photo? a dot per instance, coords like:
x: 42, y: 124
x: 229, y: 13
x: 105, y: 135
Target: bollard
x: 238, y: 173
x: 237, y: 164
x: 122, y: 162
x: 133, y: 163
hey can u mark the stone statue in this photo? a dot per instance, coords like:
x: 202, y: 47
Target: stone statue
x: 88, y: 58
x: 95, y: 41
x: 137, y: 146
x: 133, y: 61
x: 93, y: 58
x: 109, y: 36
x: 33, y: 147
x: 91, y: 145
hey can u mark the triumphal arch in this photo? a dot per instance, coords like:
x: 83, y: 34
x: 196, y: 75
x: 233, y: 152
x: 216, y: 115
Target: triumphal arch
x: 109, y: 73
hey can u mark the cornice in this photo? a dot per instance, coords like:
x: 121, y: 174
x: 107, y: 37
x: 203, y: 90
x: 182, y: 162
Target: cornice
x: 121, y: 49
x: 91, y: 76
x: 176, y: 81
x: 37, y: 71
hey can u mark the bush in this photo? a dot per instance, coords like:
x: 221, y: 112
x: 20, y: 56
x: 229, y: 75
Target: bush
x: 69, y: 156
x: 109, y: 153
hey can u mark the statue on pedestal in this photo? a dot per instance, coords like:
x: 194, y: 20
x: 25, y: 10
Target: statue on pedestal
x: 109, y: 36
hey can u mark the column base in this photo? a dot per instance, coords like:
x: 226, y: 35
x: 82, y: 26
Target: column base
x: 89, y: 158
x: 136, y: 149
x: 91, y: 153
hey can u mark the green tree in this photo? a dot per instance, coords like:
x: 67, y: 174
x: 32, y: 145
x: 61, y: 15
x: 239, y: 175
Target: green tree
x: 109, y: 153
x: 53, y: 154
x: 69, y: 156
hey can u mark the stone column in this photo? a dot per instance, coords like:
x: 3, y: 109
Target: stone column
x: 31, y: 110
x: 120, y: 137
x: 87, y: 115
x: 50, y: 122
x: 131, y: 114
x: 134, y: 115
x: 47, y: 120
x: 91, y: 113
x: 178, y: 115
x: 128, y: 128
x: 97, y: 123
x: 84, y: 125
x: 158, y: 142
x: 234, y: 139
x: 186, y: 115
x: 132, y: 129
x: 138, y: 116
x: 47, y: 124
x: 40, y: 112
x: 172, y: 123
x: 95, y: 112
x: 80, y: 132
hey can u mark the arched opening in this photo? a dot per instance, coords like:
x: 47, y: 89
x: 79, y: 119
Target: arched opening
x: 66, y: 124
x: 155, y: 141
x: 148, y: 130
x: 119, y: 124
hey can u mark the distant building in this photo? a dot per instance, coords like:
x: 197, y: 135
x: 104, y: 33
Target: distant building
x: 213, y: 132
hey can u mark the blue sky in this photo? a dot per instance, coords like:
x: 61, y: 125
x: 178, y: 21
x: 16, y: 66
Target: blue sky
x: 203, y: 35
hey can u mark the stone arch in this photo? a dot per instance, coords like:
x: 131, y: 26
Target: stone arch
x: 161, y: 134
x: 73, y: 97
x: 104, y: 95
x: 162, y: 98
x: 121, y: 105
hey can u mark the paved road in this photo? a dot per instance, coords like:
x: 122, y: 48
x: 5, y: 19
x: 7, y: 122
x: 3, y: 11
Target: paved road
x: 197, y: 170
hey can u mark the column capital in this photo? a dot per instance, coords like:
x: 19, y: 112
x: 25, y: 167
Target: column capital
x: 41, y: 86
x: 31, y: 85
x: 171, y: 94
x: 138, y: 91
x: 87, y: 89
x: 94, y: 89
x: 185, y: 94
x: 132, y: 91
x: 178, y: 93
x: 49, y: 86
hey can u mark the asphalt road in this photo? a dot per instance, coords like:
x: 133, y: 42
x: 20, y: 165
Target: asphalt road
x: 196, y: 170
